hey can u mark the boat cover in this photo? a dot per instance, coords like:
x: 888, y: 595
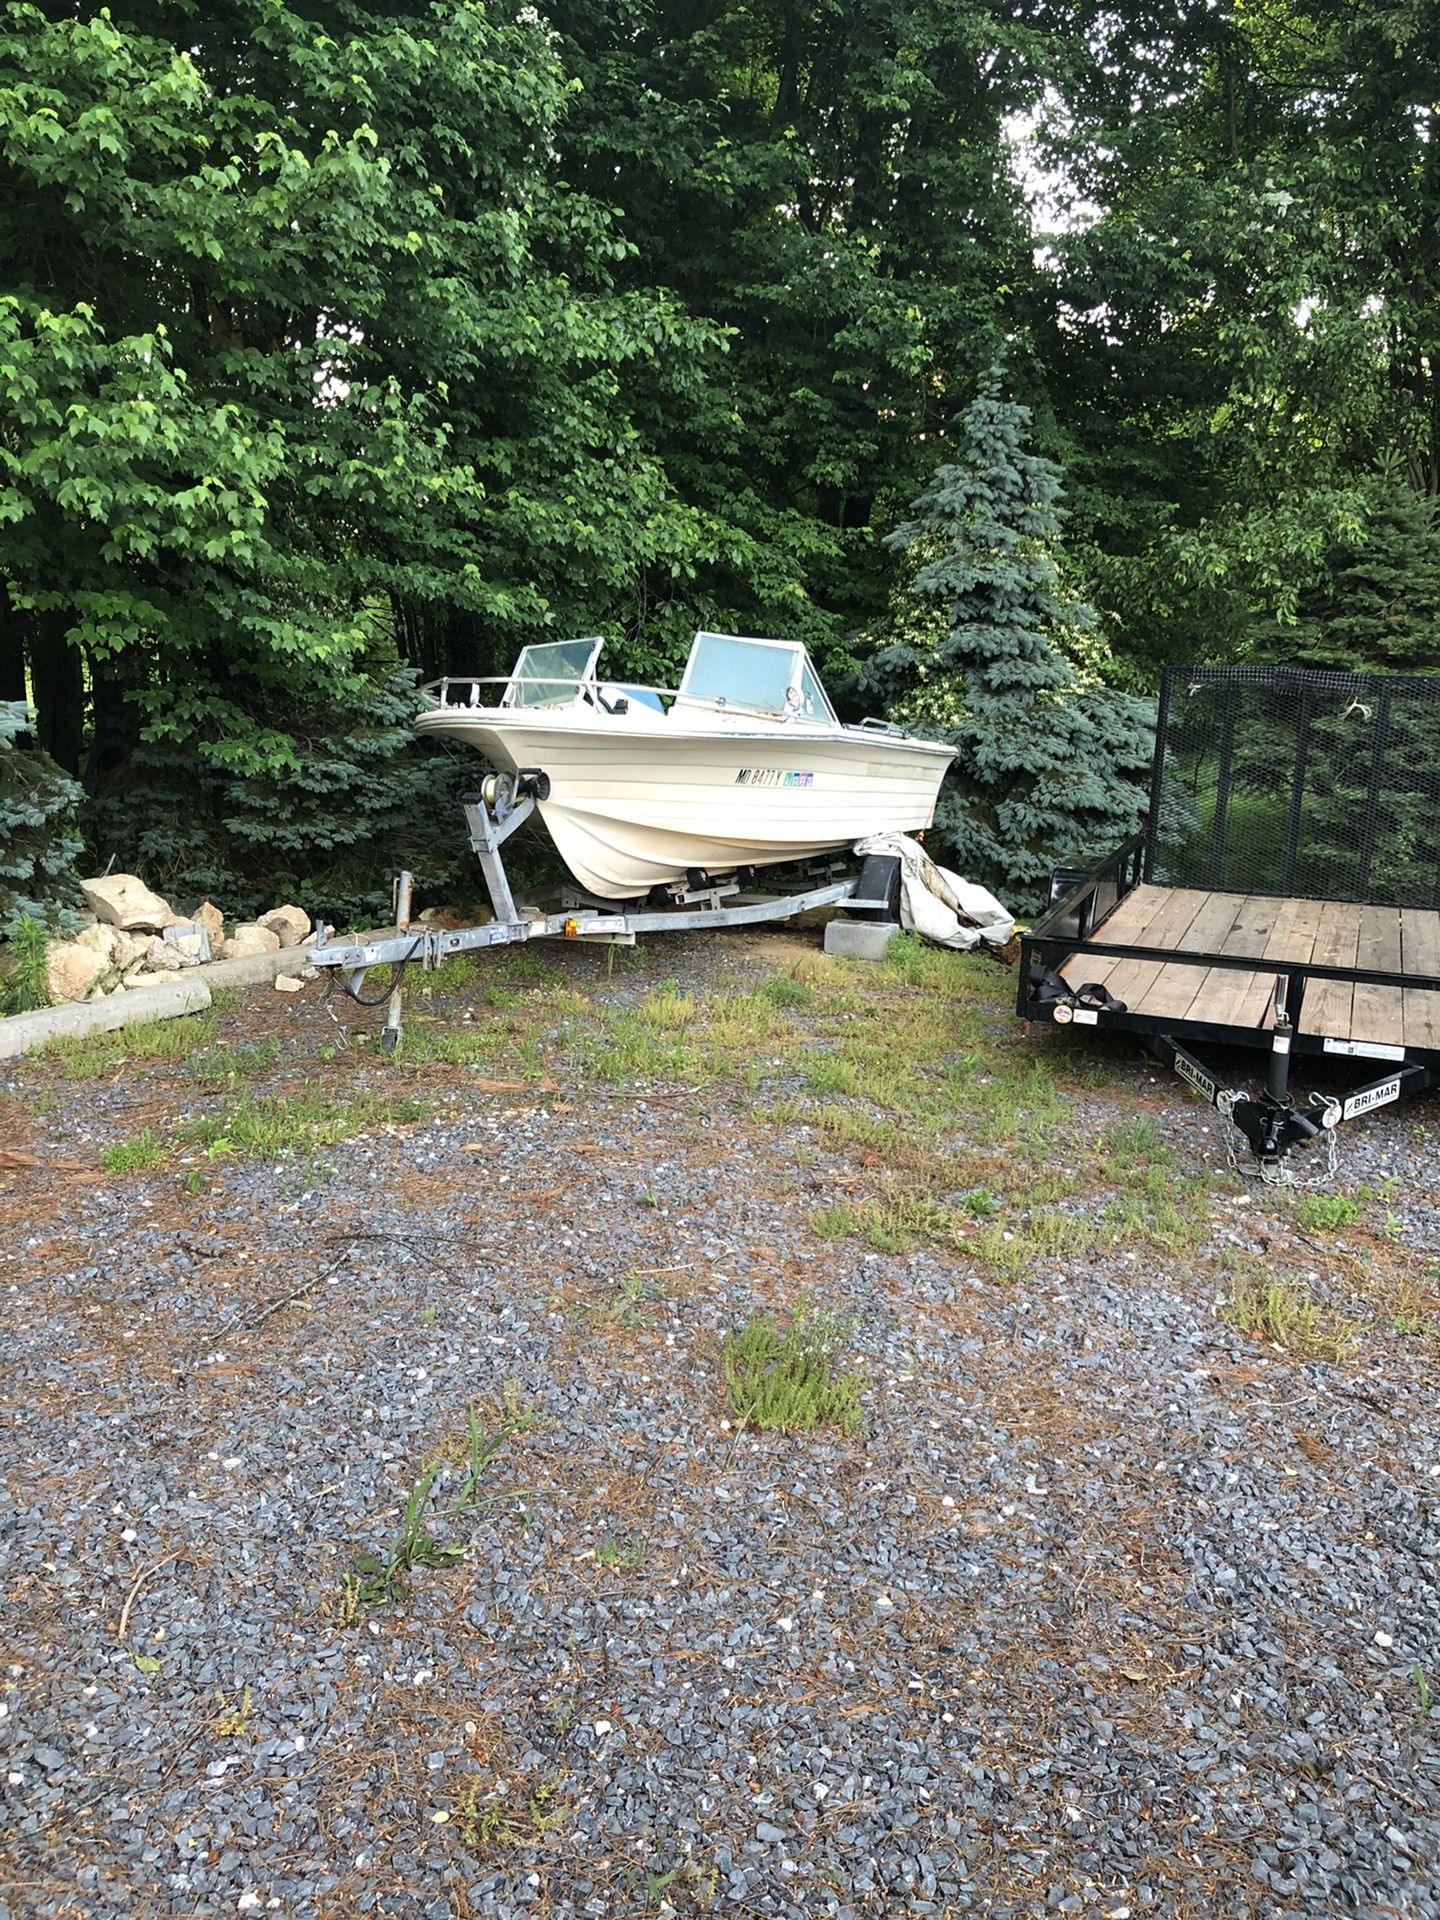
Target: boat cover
x: 938, y: 904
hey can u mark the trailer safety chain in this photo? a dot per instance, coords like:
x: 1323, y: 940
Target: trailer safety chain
x: 1280, y: 1171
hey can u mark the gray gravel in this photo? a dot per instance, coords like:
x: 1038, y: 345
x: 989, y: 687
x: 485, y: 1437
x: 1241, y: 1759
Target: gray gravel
x: 1109, y: 1610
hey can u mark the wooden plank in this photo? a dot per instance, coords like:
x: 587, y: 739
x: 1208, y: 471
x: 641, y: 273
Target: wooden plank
x: 1420, y: 940
x: 1421, y: 1018
x: 1131, y: 980
x: 1379, y: 943
x: 1327, y: 1006
x: 1254, y: 925
x: 1293, y: 936
x: 1378, y: 1013
x: 1420, y: 953
x: 1233, y: 999
x: 1171, y: 992
x: 1127, y: 925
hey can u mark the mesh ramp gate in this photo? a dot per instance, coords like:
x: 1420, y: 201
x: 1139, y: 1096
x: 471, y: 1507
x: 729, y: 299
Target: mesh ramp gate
x: 1276, y: 780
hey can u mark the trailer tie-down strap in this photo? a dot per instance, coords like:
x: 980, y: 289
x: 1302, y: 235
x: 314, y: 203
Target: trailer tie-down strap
x: 1052, y: 990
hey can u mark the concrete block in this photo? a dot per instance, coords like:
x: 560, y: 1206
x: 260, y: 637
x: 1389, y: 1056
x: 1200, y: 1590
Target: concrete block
x: 167, y: 998
x: 859, y: 939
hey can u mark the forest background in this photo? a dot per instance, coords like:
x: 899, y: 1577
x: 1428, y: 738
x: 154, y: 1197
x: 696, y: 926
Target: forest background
x: 345, y: 345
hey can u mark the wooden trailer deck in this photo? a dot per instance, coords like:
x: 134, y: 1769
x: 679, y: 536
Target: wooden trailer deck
x: 1335, y: 933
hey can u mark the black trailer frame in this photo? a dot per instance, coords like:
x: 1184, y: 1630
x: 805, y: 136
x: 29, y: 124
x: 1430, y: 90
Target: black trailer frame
x: 1318, y: 789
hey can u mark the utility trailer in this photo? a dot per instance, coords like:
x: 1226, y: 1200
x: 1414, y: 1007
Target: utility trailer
x: 493, y: 813
x: 1284, y: 895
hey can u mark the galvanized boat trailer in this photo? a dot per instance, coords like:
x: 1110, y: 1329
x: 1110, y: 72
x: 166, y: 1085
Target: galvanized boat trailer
x: 504, y: 802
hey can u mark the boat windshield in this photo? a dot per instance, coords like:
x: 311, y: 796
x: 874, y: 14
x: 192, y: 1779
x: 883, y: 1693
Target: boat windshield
x: 549, y: 675
x: 765, y: 676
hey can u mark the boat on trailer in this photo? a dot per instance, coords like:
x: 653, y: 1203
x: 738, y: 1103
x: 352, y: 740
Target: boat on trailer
x: 743, y: 766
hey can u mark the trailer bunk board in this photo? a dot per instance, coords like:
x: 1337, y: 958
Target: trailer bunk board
x: 1285, y: 893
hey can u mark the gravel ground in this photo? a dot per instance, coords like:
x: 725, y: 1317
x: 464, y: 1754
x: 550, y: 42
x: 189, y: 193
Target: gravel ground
x: 1109, y: 1609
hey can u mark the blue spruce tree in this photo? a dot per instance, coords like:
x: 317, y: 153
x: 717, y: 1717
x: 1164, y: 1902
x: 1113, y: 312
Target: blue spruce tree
x: 39, y: 841
x: 1051, y: 765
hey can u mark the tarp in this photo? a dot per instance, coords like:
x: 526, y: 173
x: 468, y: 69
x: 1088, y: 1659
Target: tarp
x: 938, y: 904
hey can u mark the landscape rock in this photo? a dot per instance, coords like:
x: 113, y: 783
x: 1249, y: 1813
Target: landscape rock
x: 73, y: 971
x: 213, y: 921
x: 190, y: 941
x: 290, y: 982
x: 250, y: 937
x: 162, y: 956
x: 290, y: 924
x: 123, y: 900
x: 101, y: 939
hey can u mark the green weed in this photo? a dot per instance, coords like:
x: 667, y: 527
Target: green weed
x: 487, y: 1821
x: 93, y: 1055
x: 23, y: 984
x: 1326, y: 1212
x: 787, y: 1378
x: 376, y: 1578
x: 894, y: 1223
x: 455, y: 971
x: 259, y: 1129
x: 1279, y: 1313
x: 141, y: 1155
x: 471, y: 1045
x: 784, y: 990
x: 225, y: 1067
x: 1043, y: 1236
x: 628, y: 1557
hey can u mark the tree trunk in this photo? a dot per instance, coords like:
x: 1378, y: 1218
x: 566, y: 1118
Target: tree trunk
x: 12, y: 651
x: 58, y: 683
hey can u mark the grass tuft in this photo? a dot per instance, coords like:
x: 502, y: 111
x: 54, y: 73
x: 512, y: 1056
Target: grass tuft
x: 1326, y: 1212
x: 787, y: 1378
x: 93, y: 1055
x: 1280, y: 1313
x: 258, y: 1129
x: 141, y: 1155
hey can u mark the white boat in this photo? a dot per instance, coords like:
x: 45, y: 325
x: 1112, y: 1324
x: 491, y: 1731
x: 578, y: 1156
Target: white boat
x: 743, y: 765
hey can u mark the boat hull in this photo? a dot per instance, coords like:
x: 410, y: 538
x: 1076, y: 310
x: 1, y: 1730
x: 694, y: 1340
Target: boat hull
x: 642, y: 804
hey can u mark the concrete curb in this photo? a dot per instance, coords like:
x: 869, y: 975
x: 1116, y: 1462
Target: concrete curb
x: 252, y: 969
x: 181, y: 993
x: 171, y: 995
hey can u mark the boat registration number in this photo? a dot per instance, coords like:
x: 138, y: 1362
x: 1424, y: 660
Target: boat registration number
x: 772, y: 777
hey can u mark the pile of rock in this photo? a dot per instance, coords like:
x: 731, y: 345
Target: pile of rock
x: 133, y: 935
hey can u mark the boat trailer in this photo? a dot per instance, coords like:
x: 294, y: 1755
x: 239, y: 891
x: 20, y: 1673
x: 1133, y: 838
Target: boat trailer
x: 502, y: 804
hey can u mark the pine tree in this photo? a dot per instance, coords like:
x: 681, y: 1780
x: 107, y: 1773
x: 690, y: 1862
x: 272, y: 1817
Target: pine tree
x: 38, y: 839
x: 1051, y: 766
x: 1379, y: 608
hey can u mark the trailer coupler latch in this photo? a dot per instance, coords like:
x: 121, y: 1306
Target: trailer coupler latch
x: 1273, y: 1129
